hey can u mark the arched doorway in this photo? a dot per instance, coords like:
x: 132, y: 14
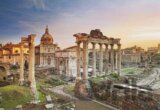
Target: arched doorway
x: 3, y: 73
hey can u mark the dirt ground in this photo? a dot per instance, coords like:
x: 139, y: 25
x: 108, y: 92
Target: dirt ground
x: 89, y: 105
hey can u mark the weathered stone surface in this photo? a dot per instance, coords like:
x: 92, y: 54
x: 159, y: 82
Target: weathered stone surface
x: 97, y: 37
x: 19, y: 107
x: 48, y: 98
x: 49, y: 106
x: 82, y: 88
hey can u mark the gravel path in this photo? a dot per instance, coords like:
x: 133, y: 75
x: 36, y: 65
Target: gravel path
x: 82, y: 104
x: 59, y: 90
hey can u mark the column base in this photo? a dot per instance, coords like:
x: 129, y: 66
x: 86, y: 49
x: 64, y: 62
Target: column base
x: 32, y: 85
x: 21, y: 82
x: 93, y: 76
x: 119, y: 73
x: 78, y: 78
x: 83, y: 89
x: 34, y: 91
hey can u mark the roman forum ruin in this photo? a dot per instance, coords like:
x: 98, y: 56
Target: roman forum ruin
x: 31, y: 75
x: 108, y: 57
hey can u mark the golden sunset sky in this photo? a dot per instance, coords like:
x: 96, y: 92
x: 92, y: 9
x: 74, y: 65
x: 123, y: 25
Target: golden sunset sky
x: 136, y: 22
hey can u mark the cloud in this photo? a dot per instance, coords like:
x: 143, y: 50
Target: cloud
x: 38, y: 4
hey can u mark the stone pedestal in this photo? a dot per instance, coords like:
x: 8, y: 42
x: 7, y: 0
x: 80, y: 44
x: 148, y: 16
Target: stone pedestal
x: 83, y: 89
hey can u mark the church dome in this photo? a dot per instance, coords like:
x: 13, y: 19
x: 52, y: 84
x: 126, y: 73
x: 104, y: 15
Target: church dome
x: 46, y: 37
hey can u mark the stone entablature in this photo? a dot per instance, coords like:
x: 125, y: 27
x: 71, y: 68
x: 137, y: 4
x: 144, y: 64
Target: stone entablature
x: 90, y: 39
x: 95, y: 36
x: 65, y: 54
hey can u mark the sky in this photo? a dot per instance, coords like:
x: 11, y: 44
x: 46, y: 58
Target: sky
x: 136, y: 22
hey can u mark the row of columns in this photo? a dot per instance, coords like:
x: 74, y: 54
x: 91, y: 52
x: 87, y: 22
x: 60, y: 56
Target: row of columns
x: 114, y: 63
x: 31, y: 75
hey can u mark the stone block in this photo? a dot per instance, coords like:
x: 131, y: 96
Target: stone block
x: 19, y: 107
x: 49, y: 106
x: 48, y: 98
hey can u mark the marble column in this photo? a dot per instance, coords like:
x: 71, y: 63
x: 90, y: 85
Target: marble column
x: 116, y: 58
x: 94, y: 60
x: 31, y: 75
x: 66, y: 67
x: 106, y: 59
x: 21, y: 80
x: 119, y: 59
x: 78, y: 60
x: 101, y: 59
x: 32, y: 61
x: 85, y: 60
x: 112, y: 58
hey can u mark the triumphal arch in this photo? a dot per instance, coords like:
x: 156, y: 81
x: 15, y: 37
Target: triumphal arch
x: 109, y: 50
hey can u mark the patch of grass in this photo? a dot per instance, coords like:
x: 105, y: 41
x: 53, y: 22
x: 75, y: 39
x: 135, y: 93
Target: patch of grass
x: 41, y: 96
x: 55, y: 82
x: 69, y: 89
x: 114, y: 76
x: 98, y: 79
x: 131, y: 70
x: 13, y: 95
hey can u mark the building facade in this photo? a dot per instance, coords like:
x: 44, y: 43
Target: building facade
x: 10, y: 53
x: 154, y: 50
x: 132, y: 55
x: 45, y: 52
